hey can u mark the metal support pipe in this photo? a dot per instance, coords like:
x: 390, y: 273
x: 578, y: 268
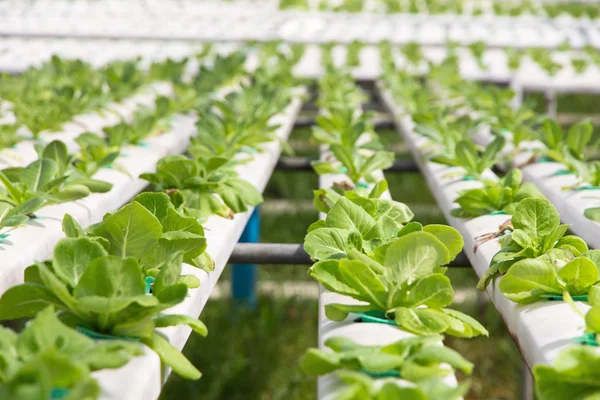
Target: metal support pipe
x: 527, y: 388
x: 306, y: 122
x: 552, y: 103
x: 303, y: 164
x: 269, y: 253
x: 283, y: 253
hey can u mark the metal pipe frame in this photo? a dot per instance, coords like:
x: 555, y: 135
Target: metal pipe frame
x: 303, y: 164
x: 291, y: 254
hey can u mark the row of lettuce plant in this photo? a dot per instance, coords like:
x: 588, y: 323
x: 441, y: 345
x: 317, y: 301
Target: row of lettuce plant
x: 511, y: 8
x: 543, y: 138
x: 105, y: 288
x: 44, y: 98
x: 537, y: 260
x: 415, y: 57
x: 368, y: 249
x: 58, y: 177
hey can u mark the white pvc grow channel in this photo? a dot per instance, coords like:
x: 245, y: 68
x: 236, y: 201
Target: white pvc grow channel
x: 143, y: 377
x: 540, y: 330
x: 364, y: 333
x: 308, y: 27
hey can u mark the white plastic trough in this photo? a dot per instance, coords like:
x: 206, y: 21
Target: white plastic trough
x: 222, y: 234
x: 540, y: 330
x: 364, y: 333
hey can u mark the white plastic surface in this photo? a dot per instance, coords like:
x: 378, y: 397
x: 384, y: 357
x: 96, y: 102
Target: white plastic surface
x: 142, y: 378
x: 540, y: 330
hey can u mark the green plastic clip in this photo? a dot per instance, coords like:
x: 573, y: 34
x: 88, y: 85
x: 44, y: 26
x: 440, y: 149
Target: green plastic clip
x: 3, y: 236
x: 143, y: 144
x: 504, y: 132
x: 469, y: 178
x: 248, y: 149
x: 558, y: 297
x: 544, y: 160
x: 385, y: 374
x: 374, y: 316
x: 149, y: 282
x: 343, y: 170
x: 499, y: 212
x: 562, y: 172
x: 100, y: 336
x: 59, y: 393
x: 587, y: 339
x: 587, y: 187
x: 363, y: 185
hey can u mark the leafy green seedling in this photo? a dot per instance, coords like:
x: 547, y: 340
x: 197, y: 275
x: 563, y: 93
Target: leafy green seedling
x: 94, y: 154
x: 537, y: 232
x: 48, y: 357
x: 413, y: 359
x: 359, y: 386
x: 106, y: 295
x: 354, y: 163
x: 495, y: 196
x: 43, y: 182
x: 150, y: 230
x: 529, y: 280
x: 194, y: 184
x: 467, y: 157
x: 574, y: 373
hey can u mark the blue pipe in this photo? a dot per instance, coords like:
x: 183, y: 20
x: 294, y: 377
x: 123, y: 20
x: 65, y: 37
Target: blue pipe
x: 243, y: 276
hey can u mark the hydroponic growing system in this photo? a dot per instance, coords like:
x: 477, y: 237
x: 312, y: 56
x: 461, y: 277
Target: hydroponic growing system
x: 136, y: 139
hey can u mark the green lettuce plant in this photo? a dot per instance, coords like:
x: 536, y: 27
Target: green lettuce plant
x: 222, y: 136
x: 45, y: 181
x: 395, y: 271
x: 536, y: 233
x: 544, y: 59
x: 150, y: 230
x: 193, y: 183
x: 105, y: 295
x: 9, y: 136
x: 356, y: 164
x: 346, y: 127
x: 362, y: 387
x: 353, y: 53
x: 354, y: 223
x: 573, y: 375
x: 413, y: 359
x: 498, y: 196
x: 94, y: 154
x: 466, y: 156
x: 48, y: 359
x: 146, y: 122
x: 529, y: 280
x: 478, y: 51
x: 413, y: 52
x: 562, y: 146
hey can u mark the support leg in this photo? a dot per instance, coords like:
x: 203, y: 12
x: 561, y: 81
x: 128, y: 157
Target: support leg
x: 527, y: 384
x: 243, y: 276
